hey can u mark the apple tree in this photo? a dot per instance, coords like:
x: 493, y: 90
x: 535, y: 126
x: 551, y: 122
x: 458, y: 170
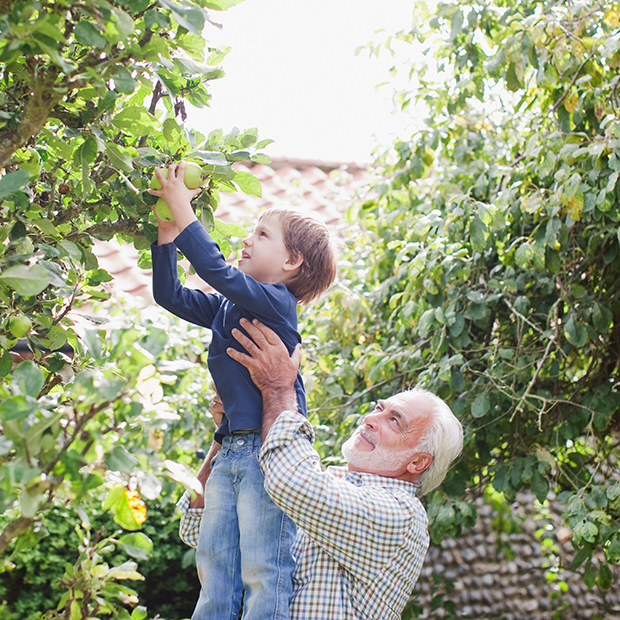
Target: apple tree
x: 92, y: 98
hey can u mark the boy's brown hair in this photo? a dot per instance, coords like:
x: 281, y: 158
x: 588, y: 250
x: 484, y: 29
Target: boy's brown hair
x: 309, y: 237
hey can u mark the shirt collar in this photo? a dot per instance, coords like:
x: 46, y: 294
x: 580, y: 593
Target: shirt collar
x: 371, y: 480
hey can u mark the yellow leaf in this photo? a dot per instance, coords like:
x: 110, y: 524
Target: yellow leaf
x: 136, y: 505
x: 570, y: 103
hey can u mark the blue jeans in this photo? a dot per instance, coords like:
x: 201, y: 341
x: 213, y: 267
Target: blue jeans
x: 244, y: 541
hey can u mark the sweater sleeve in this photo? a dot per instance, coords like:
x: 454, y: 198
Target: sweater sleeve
x: 189, y: 304
x: 265, y: 301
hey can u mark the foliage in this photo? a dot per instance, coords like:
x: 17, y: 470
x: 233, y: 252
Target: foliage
x: 31, y: 579
x: 485, y: 267
x: 145, y: 441
x: 92, y: 99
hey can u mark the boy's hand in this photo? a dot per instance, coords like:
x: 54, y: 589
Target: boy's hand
x: 177, y: 196
x: 167, y: 231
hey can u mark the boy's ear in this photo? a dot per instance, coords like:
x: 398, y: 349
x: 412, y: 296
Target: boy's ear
x: 294, y: 262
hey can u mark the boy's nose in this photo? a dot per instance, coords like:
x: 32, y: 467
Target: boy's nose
x: 247, y: 241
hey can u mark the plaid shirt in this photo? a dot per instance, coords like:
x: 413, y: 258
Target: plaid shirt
x: 362, y: 538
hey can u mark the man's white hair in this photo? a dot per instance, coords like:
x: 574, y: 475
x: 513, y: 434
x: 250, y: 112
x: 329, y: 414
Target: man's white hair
x: 443, y: 440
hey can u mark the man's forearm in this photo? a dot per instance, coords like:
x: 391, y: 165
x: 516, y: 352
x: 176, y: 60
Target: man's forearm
x: 275, y: 401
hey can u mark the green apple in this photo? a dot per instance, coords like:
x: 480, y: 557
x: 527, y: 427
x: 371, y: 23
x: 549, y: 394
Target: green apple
x: 162, y: 211
x: 19, y: 326
x: 192, y: 178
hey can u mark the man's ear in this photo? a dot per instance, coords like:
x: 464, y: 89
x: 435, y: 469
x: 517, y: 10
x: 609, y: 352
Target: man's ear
x: 294, y: 262
x: 420, y: 462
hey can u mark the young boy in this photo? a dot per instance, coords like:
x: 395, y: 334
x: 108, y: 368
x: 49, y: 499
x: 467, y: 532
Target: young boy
x: 245, y: 539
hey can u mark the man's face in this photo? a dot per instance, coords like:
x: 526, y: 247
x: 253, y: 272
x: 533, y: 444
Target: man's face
x: 386, y: 441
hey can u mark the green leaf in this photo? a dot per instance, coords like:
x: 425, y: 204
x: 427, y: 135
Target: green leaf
x: 581, y: 556
x: 589, y: 576
x: 136, y: 121
x: 137, y: 545
x: 119, y: 156
x: 118, y: 459
x: 123, y: 82
x: 601, y: 318
x: 30, y: 500
x: 612, y: 551
x: 124, y: 24
x: 28, y: 378
x: 25, y: 280
x: 248, y: 183
x: 17, y: 408
x: 180, y: 473
x: 604, y: 577
x: 478, y: 234
x: 13, y: 182
x: 216, y: 57
x: 89, y: 35
x: 576, y: 333
x: 6, y: 362
x: 191, y: 18
x: 139, y: 613
x: 481, y: 405
x: 113, y: 496
x: 221, y: 5
x: 5, y: 445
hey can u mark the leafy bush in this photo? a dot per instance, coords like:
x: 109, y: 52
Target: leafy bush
x: 485, y: 265
x: 31, y: 580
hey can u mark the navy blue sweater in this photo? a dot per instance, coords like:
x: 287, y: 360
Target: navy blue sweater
x: 239, y: 296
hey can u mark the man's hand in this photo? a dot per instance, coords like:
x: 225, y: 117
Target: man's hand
x: 216, y: 407
x: 270, y: 367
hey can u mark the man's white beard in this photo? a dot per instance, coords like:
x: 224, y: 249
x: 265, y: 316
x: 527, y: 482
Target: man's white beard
x: 380, y: 459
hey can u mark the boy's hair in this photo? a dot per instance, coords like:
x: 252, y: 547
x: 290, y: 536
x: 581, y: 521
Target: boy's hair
x: 309, y: 237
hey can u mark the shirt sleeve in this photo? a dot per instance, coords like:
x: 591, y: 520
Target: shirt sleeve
x: 266, y: 301
x: 361, y: 527
x: 189, y: 304
x: 190, y: 521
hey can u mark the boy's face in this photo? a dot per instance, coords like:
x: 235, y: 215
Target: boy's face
x: 264, y: 255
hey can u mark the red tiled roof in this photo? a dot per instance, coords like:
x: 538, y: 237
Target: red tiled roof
x: 322, y: 189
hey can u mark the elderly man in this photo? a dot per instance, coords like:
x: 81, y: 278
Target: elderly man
x: 362, y: 531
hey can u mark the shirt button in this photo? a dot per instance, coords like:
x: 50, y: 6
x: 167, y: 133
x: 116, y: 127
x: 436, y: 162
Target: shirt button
x: 240, y: 441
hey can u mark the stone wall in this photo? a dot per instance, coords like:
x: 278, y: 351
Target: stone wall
x: 508, y: 568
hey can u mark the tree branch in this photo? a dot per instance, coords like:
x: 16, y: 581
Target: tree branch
x: 12, y: 530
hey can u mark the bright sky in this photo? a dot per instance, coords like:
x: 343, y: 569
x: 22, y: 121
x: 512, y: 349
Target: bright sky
x: 293, y: 73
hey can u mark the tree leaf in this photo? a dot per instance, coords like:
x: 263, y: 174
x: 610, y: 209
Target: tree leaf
x: 6, y: 362
x: 25, y: 280
x: 481, y: 405
x: 88, y: 34
x: 604, y: 576
x: 248, y: 183
x: 118, y: 459
x: 478, y: 234
x: 192, y: 18
x: 119, y: 157
x: 180, y: 473
x: 137, y: 545
x: 575, y: 332
x: 28, y: 378
x: 13, y: 182
x: 123, y: 82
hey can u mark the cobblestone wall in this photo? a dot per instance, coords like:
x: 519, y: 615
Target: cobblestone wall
x: 507, y: 576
